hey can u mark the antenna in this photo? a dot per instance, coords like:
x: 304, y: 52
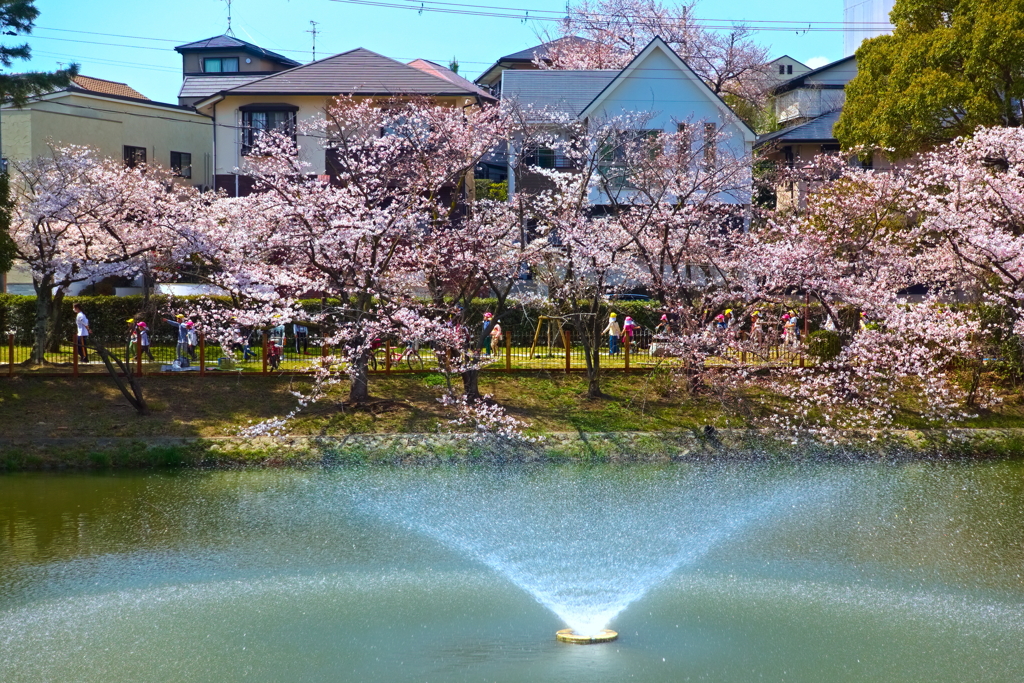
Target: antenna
x: 314, y: 32
x: 229, y: 32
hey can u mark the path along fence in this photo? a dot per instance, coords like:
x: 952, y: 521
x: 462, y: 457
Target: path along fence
x: 523, y: 350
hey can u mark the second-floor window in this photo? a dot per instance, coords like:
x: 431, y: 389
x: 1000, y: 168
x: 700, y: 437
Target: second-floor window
x: 181, y: 164
x: 133, y: 156
x: 256, y: 121
x: 220, y: 64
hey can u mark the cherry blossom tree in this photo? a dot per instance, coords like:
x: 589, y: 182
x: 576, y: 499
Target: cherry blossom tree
x: 359, y: 241
x: 80, y: 218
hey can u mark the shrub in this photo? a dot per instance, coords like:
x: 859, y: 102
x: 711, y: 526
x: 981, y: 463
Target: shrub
x: 823, y: 345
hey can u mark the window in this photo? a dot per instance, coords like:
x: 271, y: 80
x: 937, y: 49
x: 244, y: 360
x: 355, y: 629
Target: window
x: 782, y: 69
x: 133, y: 156
x: 789, y: 69
x: 181, y: 164
x: 274, y: 117
x: 220, y: 64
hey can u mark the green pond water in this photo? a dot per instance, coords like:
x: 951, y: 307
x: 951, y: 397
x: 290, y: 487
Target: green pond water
x: 735, y: 572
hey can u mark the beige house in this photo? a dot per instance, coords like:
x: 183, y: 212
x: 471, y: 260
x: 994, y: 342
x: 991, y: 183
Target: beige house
x: 286, y: 99
x: 119, y: 122
x: 115, y: 119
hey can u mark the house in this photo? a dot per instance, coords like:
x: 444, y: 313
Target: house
x: 283, y: 100
x: 221, y: 62
x: 785, y: 67
x: 116, y: 120
x: 657, y: 83
x: 807, y: 107
x: 526, y: 59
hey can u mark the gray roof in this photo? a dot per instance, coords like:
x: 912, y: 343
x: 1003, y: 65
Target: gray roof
x: 447, y: 74
x: 818, y: 129
x: 541, y: 51
x: 226, y: 42
x: 204, y: 86
x: 567, y: 92
x: 356, y: 72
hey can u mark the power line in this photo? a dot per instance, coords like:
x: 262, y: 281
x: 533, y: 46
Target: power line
x: 524, y: 15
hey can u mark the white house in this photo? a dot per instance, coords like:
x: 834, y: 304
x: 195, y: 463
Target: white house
x: 657, y: 83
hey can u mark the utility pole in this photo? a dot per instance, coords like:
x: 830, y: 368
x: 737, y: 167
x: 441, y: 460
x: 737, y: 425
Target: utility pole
x: 314, y: 32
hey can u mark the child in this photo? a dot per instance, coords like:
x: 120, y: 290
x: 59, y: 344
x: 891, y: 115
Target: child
x: 274, y: 353
x: 143, y: 334
x: 193, y: 339
x: 614, y: 332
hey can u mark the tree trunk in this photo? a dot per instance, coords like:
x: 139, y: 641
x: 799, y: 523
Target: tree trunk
x: 132, y: 390
x: 43, y: 322
x: 590, y: 337
x: 359, y: 390
x: 471, y: 385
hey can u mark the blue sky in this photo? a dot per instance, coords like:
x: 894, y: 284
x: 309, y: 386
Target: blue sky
x: 144, y: 58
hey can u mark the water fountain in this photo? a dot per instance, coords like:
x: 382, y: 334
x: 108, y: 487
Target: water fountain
x: 583, y: 545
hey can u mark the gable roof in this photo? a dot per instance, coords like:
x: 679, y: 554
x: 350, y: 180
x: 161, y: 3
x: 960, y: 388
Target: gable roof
x: 658, y: 44
x: 526, y: 57
x: 356, y: 72
x: 801, y: 80
x: 100, y: 85
x: 564, y: 92
x: 818, y: 129
x: 435, y: 69
x: 226, y: 42
x: 789, y: 58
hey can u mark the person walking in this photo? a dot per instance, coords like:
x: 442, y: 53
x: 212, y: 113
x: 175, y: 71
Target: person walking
x: 614, y: 332
x: 133, y: 338
x: 82, y: 323
x: 144, y: 340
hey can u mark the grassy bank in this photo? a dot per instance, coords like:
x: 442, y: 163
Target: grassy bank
x: 54, y: 422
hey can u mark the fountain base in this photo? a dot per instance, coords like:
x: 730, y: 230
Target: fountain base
x: 567, y: 635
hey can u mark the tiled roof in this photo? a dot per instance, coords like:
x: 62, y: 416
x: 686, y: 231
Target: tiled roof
x: 226, y: 42
x: 540, y: 51
x: 204, y: 86
x: 818, y: 129
x: 356, y: 72
x: 567, y: 92
x: 435, y: 69
x: 107, y: 87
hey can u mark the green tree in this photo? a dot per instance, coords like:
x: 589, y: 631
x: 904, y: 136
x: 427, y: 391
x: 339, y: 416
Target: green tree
x: 16, y: 17
x: 949, y: 67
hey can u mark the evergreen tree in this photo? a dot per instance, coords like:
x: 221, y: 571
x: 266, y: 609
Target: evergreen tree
x: 949, y: 67
x: 17, y: 17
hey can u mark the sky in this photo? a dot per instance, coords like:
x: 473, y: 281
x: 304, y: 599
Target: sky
x: 133, y: 42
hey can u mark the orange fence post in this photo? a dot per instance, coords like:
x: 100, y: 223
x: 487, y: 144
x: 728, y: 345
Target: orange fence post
x: 202, y: 355
x: 264, y: 353
x: 10, y: 354
x: 508, y: 352
x: 387, y: 357
x: 625, y: 350
x: 74, y: 361
x: 567, y: 339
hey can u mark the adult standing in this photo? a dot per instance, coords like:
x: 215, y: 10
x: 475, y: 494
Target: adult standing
x: 301, y: 338
x: 181, y: 349
x: 82, y: 323
x: 488, y: 332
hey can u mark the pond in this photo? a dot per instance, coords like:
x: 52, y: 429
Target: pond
x: 740, y: 571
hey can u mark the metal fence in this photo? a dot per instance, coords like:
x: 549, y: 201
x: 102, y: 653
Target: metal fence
x: 516, y: 350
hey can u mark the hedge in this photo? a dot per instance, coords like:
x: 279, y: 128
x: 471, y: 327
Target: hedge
x: 107, y: 314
